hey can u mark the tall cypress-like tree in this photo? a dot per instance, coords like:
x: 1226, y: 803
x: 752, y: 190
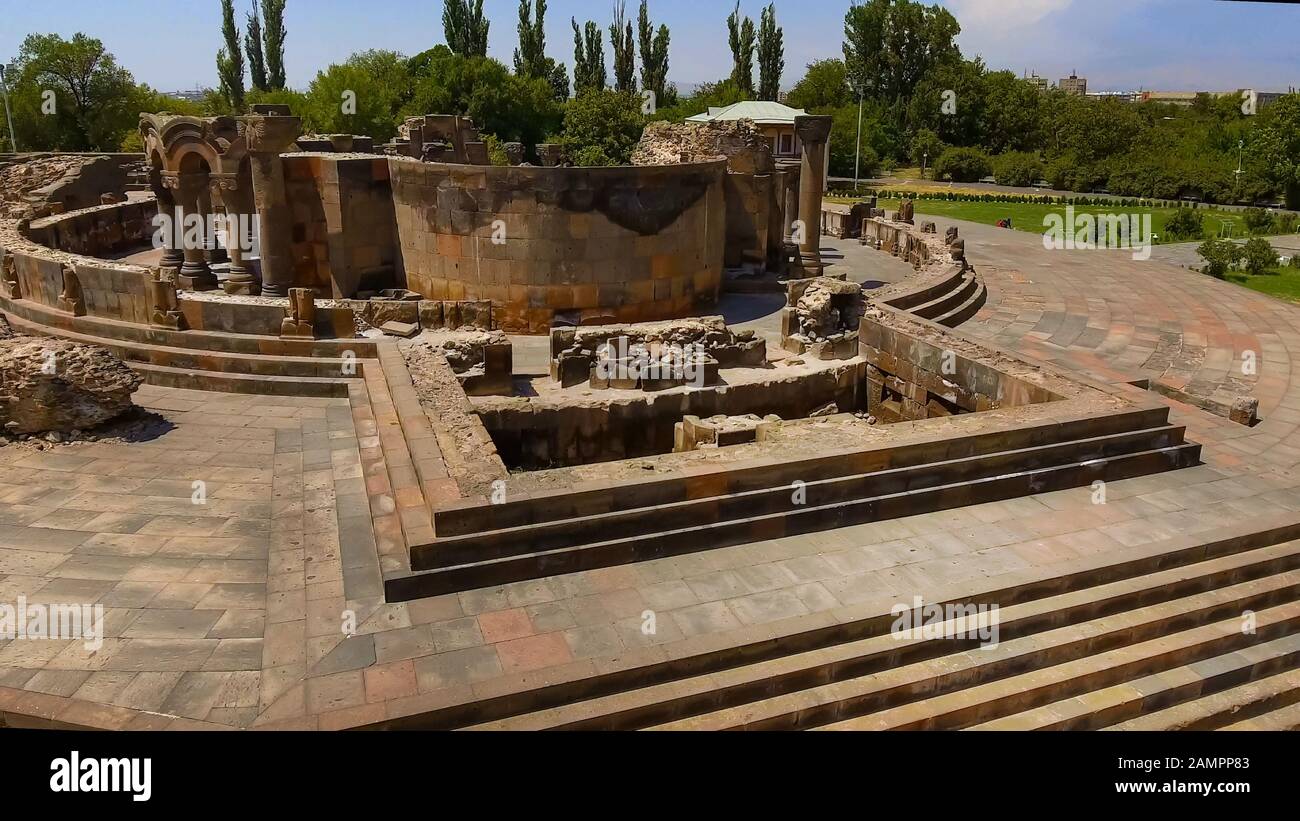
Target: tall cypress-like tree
x: 741, y: 36
x: 620, y: 35
x: 273, y: 36
x: 771, y: 55
x: 253, y: 50
x: 654, y: 55
x: 230, y: 60
x: 465, y: 27
x: 588, y: 57
x: 530, y: 57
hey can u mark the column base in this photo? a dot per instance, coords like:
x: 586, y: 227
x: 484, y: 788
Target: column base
x: 242, y: 288
x: 812, y: 266
x: 197, y: 282
x: 275, y: 289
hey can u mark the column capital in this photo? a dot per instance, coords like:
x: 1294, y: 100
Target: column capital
x: 270, y: 134
x: 813, y: 129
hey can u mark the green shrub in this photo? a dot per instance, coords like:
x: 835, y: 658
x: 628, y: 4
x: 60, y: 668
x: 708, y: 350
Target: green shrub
x: 963, y: 165
x: 1287, y: 223
x: 1017, y: 168
x: 1220, y: 256
x: 1258, y: 256
x: 1258, y: 221
x: 1185, y: 224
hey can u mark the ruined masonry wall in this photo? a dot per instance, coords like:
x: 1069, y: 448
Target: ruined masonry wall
x: 588, y: 245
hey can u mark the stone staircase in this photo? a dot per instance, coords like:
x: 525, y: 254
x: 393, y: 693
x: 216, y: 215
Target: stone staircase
x: 1150, y: 637
x: 209, y: 360
x: 949, y: 300
x: 481, y: 545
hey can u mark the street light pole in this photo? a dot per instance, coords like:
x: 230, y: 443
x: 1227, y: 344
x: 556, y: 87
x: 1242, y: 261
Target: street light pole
x: 1241, y: 147
x: 4, y: 89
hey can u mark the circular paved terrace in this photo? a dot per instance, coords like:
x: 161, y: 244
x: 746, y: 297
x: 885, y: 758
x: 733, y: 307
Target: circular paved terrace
x: 229, y: 614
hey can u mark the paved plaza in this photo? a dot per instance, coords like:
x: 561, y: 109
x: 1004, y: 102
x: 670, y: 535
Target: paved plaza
x: 231, y: 613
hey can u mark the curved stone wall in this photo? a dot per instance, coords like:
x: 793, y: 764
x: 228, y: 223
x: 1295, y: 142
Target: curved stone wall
x: 584, y: 245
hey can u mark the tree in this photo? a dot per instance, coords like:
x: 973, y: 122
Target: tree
x: 273, y: 37
x: 1258, y: 256
x: 926, y: 148
x: 1184, y: 224
x: 602, y: 126
x: 620, y: 36
x: 825, y: 85
x: 1010, y: 113
x: 654, y: 57
x: 71, y: 95
x: 230, y: 59
x: 891, y: 45
x: 364, y: 95
x: 771, y: 55
x: 1258, y: 221
x: 465, y: 27
x: 514, y: 108
x: 253, y: 50
x: 963, y: 165
x: 530, y: 57
x: 1276, y: 144
x: 588, y: 58
x: 1020, y: 169
x: 741, y: 37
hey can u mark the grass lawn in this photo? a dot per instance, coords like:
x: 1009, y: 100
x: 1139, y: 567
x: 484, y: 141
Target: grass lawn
x: 1028, y: 216
x: 1283, y: 283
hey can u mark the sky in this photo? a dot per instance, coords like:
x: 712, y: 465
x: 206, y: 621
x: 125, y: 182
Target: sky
x: 1119, y: 45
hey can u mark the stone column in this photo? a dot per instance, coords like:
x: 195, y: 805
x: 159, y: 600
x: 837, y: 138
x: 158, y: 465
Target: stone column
x: 813, y: 133
x: 269, y: 136
x: 164, y: 187
x: 196, y: 274
x: 238, y: 207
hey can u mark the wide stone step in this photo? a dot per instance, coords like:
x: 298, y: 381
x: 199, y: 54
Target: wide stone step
x: 808, y: 519
x: 1218, y: 710
x: 241, y: 383
x: 1284, y: 719
x: 1164, y: 644
x: 949, y: 301
x: 966, y: 310
x: 880, y: 650
x: 551, y: 535
x: 1107, y: 706
x: 204, y: 360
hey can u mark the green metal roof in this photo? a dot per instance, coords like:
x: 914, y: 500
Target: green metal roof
x: 760, y: 111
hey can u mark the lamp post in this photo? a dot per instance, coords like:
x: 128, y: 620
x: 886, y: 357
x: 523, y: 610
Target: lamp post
x: 925, y: 163
x: 1241, y: 148
x: 4, y: 90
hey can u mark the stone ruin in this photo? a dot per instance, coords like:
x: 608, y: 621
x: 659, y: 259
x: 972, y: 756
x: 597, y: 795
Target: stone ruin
x: 652, y: 356
x: 56, y: 386
x: 821, y: 317
x: 694, y: 433
x: 444, y: 138
x: 739, y: 142
x: 483, y: 361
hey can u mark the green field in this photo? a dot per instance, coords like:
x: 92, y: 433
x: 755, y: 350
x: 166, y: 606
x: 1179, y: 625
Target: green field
x: 1028, y: 216
x: 1283, y: 283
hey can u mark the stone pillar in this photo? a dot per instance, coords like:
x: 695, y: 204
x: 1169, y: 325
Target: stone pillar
x: 790, y: 200
x: 813, y: 133
x: 269, y: 136
x: 196, y: 274
x: 164, y: 188
x: 239, y: 209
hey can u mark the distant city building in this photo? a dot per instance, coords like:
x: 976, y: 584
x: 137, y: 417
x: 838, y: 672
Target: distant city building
x: 1259, y: 100
x: 1122, y: 96
x: 1074, y: 85
x: 194, y: 95
x: 1037, y: 82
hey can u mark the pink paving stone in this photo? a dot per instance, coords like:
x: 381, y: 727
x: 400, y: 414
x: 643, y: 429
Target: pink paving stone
x: 504, y: 625
x: 534, y: 653
x: 394, y: 680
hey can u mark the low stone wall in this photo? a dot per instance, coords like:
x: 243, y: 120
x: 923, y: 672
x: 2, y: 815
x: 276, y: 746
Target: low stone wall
x: 98, y: 231
x: 910, y: 377
x: 344, y: 229
x: 577, y: 245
